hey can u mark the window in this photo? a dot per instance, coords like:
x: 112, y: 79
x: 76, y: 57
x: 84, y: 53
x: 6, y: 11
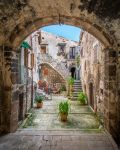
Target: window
x: 32, y: 60
x: 72, y: 53
x: 43, y: 49
x: 61, y: 49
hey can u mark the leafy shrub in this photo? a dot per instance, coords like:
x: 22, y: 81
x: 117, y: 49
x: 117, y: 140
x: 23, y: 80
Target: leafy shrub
x: 39, y: 99
x: 70, y: 81
x: 64, y: 107
x: 82, y: 98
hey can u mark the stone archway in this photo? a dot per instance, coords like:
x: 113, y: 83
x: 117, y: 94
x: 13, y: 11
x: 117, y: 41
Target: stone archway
x: 20, y: 18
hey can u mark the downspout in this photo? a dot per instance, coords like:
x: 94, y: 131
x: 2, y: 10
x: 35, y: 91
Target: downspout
x: 31, y: 75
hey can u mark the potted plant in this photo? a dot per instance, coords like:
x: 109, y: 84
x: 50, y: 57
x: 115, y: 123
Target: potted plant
x: 82, y: 98
x: 39, y: 101
x: 70, y: 84
x: 64, y: 107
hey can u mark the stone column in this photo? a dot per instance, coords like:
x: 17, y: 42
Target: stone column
x: 118, y: 96
x: 110, y: 91
x: 9, y: 98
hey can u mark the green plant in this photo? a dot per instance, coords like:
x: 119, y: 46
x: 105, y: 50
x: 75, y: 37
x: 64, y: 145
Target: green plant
x: 78, y: 60
x: 82, y: 98
x: 63, y: 88
x: 70, y: 81
x: 64, y: 107
x: 39, y: 99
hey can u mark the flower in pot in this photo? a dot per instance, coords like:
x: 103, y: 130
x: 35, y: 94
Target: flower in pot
x: 82, y: 98
x: 64, y: 107
x: 39, y: 101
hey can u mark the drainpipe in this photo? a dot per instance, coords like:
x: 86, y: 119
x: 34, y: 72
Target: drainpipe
x: 31, y: 73
x: 26, y: 62
x: 32, y: 88
x: 26, y: 89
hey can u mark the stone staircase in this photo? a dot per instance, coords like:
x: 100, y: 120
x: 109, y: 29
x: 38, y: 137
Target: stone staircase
x: 58, y: 66
x: 77, y: 87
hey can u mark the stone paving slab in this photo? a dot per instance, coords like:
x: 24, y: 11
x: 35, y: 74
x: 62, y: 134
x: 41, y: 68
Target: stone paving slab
x: 75, y: 121
x: 16, y: 141
x: 47, y: 118
x: 47, y: 132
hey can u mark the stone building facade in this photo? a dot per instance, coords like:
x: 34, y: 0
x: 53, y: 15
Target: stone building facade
x: 94, y: 73
x: 63, y: 50
x: 92, y: 67
x: 28, y: 68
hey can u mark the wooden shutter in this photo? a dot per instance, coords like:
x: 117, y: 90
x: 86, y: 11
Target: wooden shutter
x: 26, y: 57
x: 32, y: 60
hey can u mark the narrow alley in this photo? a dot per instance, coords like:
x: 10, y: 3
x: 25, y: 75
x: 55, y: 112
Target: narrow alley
x: 59, y: 75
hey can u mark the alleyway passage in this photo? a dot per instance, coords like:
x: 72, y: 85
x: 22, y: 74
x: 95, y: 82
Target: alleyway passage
x: 47, y: 118
x: 45, y: 132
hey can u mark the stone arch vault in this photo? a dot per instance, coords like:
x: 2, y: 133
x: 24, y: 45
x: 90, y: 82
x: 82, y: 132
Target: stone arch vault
x: 19, y: 18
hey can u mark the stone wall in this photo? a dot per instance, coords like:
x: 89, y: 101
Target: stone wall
x: 53, y: 77
x: 99, y: 67
x: 10, y: 90
x: 92, y: 70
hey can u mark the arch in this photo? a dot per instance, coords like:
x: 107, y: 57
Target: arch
x: 92, y: 28
x: 18, y: 20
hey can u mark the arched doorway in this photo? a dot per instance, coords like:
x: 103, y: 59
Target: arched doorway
x: 91, y: 95
x: 73, y: 72
x: 83, y: 14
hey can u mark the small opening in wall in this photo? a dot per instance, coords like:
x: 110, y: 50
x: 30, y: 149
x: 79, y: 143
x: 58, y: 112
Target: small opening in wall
x: 101, y: 91
x: 118, y: 45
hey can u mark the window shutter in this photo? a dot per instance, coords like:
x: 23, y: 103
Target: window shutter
x: 32, y: 60
x: 26, y: 57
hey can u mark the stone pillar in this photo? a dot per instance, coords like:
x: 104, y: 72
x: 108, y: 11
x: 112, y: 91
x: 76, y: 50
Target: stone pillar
x: 118, y: 97
x: 15, y: 91
x: 110, y: 91
x: 9, y: 102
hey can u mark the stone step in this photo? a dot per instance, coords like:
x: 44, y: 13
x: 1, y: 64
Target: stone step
x: 77, y: 85
x: 75, y: 93
x: 75, y: 96
x: 78, y: 89
x: 77, y: 80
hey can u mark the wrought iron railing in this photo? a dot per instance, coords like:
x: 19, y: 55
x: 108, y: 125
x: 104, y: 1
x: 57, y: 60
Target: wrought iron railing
x: 60, y: 67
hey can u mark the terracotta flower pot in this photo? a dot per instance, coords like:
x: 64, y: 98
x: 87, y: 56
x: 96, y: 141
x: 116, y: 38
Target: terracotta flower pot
x: 63, y: 116
x: 40, y: 105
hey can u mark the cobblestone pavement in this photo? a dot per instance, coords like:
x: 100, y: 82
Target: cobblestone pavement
x: 46, y: 132
x: 47, y: 118
x: 56, y: 140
